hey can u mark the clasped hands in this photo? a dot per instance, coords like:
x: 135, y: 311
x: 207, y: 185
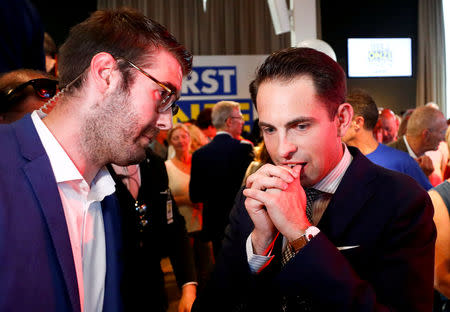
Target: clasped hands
x: 276, y: 202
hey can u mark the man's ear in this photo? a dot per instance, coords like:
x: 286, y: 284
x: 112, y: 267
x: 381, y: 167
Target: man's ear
x: 343, y: 118
x: 359, y: 122
x: 228, y: 122
x: 425, y: 134
x: 102, y: 70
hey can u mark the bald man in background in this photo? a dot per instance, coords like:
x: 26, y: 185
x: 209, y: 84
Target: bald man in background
x: 425, y: 130
x: 386, y: 128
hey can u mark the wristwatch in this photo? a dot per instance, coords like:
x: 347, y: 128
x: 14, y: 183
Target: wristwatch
x: 301, y: 242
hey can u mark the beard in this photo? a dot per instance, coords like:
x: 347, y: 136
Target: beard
x: 110, y: 133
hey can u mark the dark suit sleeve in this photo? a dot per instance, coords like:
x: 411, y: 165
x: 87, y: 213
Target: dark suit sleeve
x: 180, y: 251
x: 196, y: 190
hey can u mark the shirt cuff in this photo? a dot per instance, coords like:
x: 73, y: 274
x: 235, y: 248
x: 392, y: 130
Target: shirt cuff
x: 255, y: 262
x: 190, y: 283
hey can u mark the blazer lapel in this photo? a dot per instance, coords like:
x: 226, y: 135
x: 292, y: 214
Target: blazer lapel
x: 110, y: 210
x: 347, y: 200
x: 39, y: 172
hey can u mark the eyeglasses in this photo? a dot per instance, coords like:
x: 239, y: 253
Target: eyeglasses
x: 168, y: 95
x: 237, y: 117
x: 44, y: 88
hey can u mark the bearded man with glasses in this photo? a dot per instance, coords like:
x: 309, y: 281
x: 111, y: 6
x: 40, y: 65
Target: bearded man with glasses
x: 60, y: 239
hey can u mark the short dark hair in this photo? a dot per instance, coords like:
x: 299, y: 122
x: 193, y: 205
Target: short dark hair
x: 364, y: 106
x: 203, y: 120
x: 287, y: 64
x: 122, y: 32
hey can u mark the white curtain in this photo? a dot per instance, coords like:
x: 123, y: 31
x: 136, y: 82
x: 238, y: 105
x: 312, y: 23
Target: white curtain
x: 227, y: 26
x: 431, y: 83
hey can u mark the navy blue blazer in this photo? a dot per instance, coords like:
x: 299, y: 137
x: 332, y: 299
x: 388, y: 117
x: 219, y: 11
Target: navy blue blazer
x: 37, y: 271
x: 386, y: 214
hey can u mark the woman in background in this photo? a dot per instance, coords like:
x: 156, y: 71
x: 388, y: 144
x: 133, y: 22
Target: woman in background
x: 198, y: 138
x: 179, y: 172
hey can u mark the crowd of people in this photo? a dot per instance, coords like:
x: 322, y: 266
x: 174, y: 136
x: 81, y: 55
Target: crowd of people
x: 335, y: 204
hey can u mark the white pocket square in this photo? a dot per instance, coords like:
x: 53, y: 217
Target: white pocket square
x: 347, y: 247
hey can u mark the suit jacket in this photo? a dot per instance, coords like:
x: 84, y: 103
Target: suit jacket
x: 143, y: 285
x: 216, y: 176
x: 37, y: 271
x: 399, y: 144
x: 387, y: 215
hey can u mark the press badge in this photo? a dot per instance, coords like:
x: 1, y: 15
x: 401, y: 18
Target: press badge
x: 169, y: 210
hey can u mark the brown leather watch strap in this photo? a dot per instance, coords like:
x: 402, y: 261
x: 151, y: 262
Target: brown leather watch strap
x: 299, y: 243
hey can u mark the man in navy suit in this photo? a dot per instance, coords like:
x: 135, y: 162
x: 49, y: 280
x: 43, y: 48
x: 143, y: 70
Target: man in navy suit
x: 218, y: 169
x: 323, y: 229
x: 60, y: 245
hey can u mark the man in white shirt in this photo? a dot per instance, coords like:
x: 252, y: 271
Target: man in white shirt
x: 60, y: 235
x: 424, y: 132
x: 323, y: 229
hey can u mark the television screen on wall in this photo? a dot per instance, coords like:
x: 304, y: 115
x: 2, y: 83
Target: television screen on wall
x: 379, y: 57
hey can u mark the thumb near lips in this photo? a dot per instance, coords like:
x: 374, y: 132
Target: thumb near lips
x: 297, y: 170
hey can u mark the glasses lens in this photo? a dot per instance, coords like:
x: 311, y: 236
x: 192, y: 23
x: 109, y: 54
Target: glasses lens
x: 45, y: 88
x: 168, y: 102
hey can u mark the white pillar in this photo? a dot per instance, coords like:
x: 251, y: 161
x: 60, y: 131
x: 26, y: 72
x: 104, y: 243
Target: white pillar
x: 303, y: 20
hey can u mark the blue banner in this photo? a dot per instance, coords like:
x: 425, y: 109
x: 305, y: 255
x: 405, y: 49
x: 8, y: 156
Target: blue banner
x: 210, y: 80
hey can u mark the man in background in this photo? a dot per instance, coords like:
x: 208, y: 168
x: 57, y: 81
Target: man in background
x: 386, y: 128
x: 425, y: 130
x: 218, y: 169
x: 360, y: 135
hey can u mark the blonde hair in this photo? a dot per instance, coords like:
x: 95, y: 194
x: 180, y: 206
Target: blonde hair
x: 176, y: 127
x: 198, y: 138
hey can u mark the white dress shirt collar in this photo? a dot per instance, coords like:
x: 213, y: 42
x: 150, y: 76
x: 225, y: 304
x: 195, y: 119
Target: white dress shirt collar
x: 330, y: 183
x: 63, y: 167
x: 223, y: 132
x: 410, y: 151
